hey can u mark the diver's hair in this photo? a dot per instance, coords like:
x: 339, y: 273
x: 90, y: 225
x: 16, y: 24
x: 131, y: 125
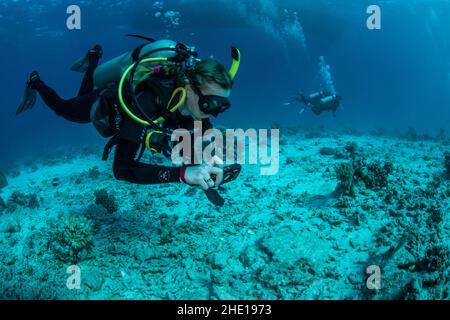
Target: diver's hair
x: 208, y: 70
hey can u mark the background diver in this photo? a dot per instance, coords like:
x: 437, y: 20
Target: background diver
x: 198, y: 91
x: 318, y: 102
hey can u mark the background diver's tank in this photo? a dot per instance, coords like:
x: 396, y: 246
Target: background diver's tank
x: 315, y: 98
x: 327, y: 99
x: 112, y: 70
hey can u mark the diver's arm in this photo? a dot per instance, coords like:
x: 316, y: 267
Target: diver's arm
x: 127, y: 169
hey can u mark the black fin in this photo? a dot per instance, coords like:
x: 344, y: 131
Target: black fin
x: 91, y: 57
x: 214, y: 197
x: 28, y: 99
x: 81, y: 65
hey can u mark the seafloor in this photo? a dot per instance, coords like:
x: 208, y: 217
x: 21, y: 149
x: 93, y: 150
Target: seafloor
x: 343, y: 201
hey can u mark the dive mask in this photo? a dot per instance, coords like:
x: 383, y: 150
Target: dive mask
x: 211, y: 104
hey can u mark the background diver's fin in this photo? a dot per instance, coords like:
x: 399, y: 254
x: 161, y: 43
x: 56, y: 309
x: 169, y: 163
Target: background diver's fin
x: 81, y: 65
x: 28, y: 100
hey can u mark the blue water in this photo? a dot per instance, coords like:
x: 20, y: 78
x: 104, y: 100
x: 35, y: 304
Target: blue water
x: 395, y: 77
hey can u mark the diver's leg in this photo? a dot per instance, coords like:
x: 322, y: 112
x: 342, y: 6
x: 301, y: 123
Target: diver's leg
x: 316, y: 110
x: 87, y: 84
x: 302, y: 98
x: 76, y: 110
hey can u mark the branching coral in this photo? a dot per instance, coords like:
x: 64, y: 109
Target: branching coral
x: 358, y: 172
x: 436, y: 259
x: 350, y: 175
x: 94, y: 172
x: 19, y: 199
x: 447, y: 161
x: 71, y: 237
x: 2, y: 204
x: 377, y: 175
x: 345, y: 174
x: 353, y: 149
x: 106, y: 200
x: 167, y: 227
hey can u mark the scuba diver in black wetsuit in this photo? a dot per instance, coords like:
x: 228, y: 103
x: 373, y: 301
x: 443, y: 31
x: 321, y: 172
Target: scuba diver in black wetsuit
x: 164, y: 87
x: 320, y: 101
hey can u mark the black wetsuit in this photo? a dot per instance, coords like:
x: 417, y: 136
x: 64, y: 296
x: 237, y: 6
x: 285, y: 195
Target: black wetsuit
x: 130, y: 135
x: 333, y: 105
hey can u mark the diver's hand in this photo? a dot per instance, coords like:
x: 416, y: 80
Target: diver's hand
x: 205, y: 176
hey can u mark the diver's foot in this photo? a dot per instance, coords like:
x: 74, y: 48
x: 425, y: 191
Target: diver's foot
x: 95, y: 54
x: 29, y: 96
x: 89, y: 61
x: 33, y: 79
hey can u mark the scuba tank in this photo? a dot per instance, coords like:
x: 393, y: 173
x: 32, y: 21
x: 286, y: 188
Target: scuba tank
x: 316, y: 95
x: 112, y: 70
x: 327, y: 99
x: 315, y: 98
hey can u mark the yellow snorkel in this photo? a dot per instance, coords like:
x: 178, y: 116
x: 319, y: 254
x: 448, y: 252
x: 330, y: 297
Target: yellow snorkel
x: 236, y: 55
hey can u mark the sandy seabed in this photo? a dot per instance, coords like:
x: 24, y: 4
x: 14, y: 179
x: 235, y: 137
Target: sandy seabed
x: 294, y: 235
